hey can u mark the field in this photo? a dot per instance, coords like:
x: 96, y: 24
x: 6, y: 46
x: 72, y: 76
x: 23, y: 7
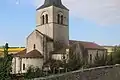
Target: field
x: 12, y: 50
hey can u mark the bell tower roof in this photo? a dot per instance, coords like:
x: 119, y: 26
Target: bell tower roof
x: 56, y: 3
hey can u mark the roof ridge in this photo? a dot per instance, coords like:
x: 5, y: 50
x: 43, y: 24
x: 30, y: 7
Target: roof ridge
x: 43, y: 34
x: 82, y: 41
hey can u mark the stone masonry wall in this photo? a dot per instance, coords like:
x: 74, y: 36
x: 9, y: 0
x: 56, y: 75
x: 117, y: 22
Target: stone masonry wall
x: 99, y: 73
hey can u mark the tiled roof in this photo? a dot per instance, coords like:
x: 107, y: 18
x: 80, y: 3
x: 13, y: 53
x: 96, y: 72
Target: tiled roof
x: 109, y: 46
x: 21, y: 53
x: 85, y: 44
x: 56, y: 3
x: 33, y: 54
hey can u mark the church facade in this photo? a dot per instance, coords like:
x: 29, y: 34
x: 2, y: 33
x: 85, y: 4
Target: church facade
x: 50, y: 39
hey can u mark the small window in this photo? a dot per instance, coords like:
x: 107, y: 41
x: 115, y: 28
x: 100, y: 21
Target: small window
x: 46, y: 18
x: 61, y: 19
x: 34, y: 46
x: 90, y: 57
x: 63, y: 57
x: 58, y: 18
x: 43, y: 19
x: 23, y: 66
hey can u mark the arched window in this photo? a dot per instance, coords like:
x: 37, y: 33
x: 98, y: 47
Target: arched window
x: 61, y: 19
x: 46, y: 18
x: 43, y: 19
x: 58, y: 18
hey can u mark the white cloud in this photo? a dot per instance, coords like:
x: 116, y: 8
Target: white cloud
x: 103, y: 12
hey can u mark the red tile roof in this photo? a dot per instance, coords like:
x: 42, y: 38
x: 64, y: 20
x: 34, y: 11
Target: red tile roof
x: 21, y: 53
x: 33, y: 54
x: 90, y: 45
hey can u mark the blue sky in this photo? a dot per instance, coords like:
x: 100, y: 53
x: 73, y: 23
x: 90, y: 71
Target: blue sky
x: 17, y: 21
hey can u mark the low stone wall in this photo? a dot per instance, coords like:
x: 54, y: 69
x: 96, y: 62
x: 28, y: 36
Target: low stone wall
x: 98, y: 73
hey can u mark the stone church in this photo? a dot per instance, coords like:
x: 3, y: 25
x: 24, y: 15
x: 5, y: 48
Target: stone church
x: 50, y: 39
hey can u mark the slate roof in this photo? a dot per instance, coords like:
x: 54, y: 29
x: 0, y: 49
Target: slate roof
x: 56, y: 3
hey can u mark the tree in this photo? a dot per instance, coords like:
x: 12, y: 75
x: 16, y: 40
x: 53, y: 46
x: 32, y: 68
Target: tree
x: 30, y: 73
x: 74, y: 62
x: 100, y: 60
x: 55, y: 65
x: 116, y: 55
x: 5, y: 65
x: 110, y: 59
x: 33, y: 72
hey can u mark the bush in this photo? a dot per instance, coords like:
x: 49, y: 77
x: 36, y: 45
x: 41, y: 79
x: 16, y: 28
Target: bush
x: 75, y: 63
x: 100, y: 60
x: 5, y: 65
x: 33, y: 72
x: 116, y: 55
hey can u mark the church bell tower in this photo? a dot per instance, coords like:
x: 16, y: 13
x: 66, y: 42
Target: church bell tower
x: 53, y: 21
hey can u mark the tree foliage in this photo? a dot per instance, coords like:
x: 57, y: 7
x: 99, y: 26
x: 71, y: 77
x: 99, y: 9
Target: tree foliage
x: 113, y: 58
x: 100, y: 60
x: 33, y: 72
x: 5, y: 65
x: 74, y: 62
x: 116, y: 55
x: 110, y: 59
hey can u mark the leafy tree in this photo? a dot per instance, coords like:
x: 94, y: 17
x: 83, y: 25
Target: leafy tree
x: 100, y: 60
x: 5, y: 65
x: 55, y: 65
x: 38, y: 72
x: 74, y: 62
x: 33, y: 72
x: 116, y: 55
x: 30, y: 73
x: 110, y: 59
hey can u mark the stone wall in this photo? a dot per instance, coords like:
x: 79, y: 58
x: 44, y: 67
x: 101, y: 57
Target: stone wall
x: 99, y: 73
